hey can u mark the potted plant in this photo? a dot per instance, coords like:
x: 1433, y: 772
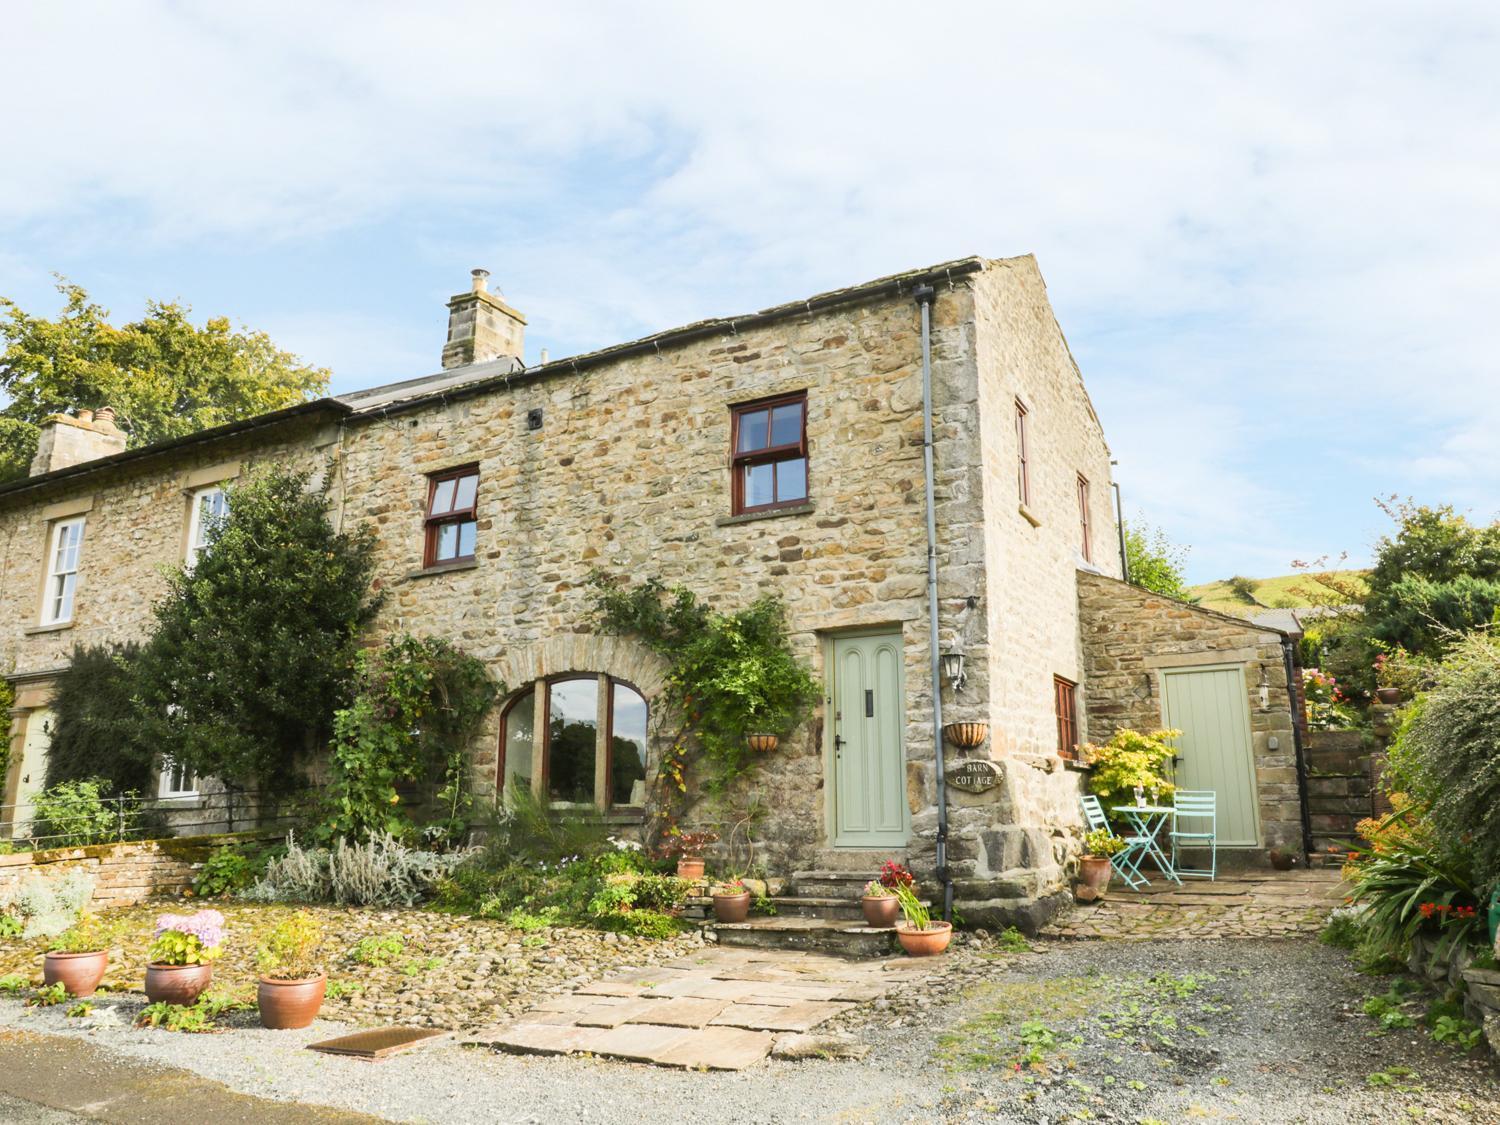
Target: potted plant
x: 731, y: 901
x: 918, y: 934
x: 77, y: 957
x: 762, y: 742
x: 182, y: 956
x: 880, y: 905
x: 689, y: 847
x: 291, y: 985
x: 1284, y: 856
x: 1094, y: 866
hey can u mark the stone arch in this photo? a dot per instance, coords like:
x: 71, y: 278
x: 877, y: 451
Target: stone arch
x: 624, y: 658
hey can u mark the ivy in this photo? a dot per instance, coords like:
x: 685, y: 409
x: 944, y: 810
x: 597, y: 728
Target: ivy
x: 729, y: 675
x: 417, y: 706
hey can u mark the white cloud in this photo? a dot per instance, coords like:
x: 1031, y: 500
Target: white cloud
x: 1272, y: 230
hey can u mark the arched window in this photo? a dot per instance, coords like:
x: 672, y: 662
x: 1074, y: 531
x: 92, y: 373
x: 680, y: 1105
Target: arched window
x: 579, y: 741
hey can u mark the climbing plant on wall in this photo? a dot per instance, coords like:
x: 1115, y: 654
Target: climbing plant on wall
x: 729, y: 675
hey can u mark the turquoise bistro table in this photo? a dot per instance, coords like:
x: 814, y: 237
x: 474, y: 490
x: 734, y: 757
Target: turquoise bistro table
x: 1146, y: 820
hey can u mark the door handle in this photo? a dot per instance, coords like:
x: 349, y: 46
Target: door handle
x: 838, y: 745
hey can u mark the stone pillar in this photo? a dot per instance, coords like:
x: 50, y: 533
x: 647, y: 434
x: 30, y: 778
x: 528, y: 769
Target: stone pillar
x: 481, y: 326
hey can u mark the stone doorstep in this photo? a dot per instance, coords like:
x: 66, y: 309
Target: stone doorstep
x: 764, y: 1017
x: 683, y: 1011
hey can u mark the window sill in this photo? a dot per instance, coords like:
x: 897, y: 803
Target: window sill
x: 55, y: 627
x: 770, y: 513
x: 1027, y: 516
x: 444, y: 568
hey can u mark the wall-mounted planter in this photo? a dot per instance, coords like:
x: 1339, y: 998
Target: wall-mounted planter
x: 966, y: 735
x: 762, y: 743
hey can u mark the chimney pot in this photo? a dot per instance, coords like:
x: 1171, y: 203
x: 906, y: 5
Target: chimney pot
x: 105, y: 414
x: 481, y: 280
x: 85, y: 415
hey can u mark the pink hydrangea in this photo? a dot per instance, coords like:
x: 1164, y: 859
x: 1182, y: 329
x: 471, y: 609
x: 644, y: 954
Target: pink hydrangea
x: 206, y: 925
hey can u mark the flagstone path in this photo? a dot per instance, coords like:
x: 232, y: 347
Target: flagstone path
x: 1238, y: 904
x: 722, y: 1009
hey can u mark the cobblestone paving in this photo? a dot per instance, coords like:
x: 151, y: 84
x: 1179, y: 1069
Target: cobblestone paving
x: 1238, y: 904
x: 722, y: 1009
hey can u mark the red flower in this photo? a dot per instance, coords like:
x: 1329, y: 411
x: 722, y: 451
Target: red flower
x: 1427, y: 908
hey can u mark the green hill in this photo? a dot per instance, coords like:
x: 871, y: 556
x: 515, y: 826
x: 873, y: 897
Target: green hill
x: 1283, y: 591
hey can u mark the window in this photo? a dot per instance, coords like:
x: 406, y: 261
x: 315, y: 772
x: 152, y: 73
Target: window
x: 176, y: 780
x: 452, y: 498
x: 1065, y: 700
x: 580, y: 740
x: 769, y: 462
x: 1023, y: 471
x: 209, y: 506
x: 1086, y: 538
x: 62, y: 571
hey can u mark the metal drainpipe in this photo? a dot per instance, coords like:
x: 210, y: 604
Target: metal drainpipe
x: 1294, y: 702
x: 924, y: 295
x: 1120, y: 527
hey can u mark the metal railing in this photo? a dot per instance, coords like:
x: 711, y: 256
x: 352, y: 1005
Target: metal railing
x: 24, y: 827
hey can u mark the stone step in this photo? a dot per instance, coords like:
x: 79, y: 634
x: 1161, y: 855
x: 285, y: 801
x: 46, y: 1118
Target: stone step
x: 821, y: 935
x: 793, y: 906
x: 830, y: 884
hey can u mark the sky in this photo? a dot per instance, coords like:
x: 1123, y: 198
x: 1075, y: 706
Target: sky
x: 1271, y: 232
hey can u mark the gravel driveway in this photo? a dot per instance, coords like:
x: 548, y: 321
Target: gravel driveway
x: 1129, y: 1032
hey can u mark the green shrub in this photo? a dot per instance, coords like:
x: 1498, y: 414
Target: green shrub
x: 377, y: 950
x: 289, y: 950
x: 197, y: 1018
x: 48, y: 905
x: 49, y: 995
x: 10, y: 926
x: 1342, y: 930
x: 76, y: 814
x: 229, y: 870
x: 381, y: 872
x: 1130, y: 759
x: 13, y: 983
x: 96, y: 732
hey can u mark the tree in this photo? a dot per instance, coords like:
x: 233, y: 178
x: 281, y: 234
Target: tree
x: 96, y: 732
x: 254, y: 649
x: 164, y: 376
x: 1155, y: 562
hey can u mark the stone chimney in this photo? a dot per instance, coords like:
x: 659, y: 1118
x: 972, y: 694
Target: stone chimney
x: 481, y: 326
x: 70, y: 440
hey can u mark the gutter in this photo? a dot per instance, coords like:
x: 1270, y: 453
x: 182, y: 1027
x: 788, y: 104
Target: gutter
x: 924, y: 296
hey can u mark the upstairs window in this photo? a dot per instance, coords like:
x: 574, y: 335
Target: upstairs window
x: 580, y: 741
x: 1023, y: 469
x: 209, y: 506
x: 176, y: 781
x: 452, y: 498
x: 769, y: 460
x: 1086, y: 539
x: 1065, y: 702
x: 62, y: 571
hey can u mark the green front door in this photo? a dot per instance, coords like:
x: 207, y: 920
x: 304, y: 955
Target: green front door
x: 1210, y: 707
x: 868, y: 805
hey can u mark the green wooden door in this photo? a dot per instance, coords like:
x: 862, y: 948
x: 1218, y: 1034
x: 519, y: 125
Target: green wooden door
x: 33, y: 776
x: 869, y: 767
x: 1210, y: 707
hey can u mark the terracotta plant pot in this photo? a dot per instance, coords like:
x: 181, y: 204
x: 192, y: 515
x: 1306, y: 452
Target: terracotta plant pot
x: 925, y: 943
x: 732, y: 908
x: 966, y: 735
x: 762, y: 742
x: 1390, y: 696
x: 1094, y: 872
x: 287, y: 1004
x: 880, y: 912
x: 1283, y: 860
x: 79, y: 973
x: 177, y: 984
x: 690, y: 868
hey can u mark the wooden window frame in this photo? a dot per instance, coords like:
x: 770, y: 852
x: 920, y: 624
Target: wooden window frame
x: 1023, y: 461
x: 195, y: 523
x: 49, y: 588
x: 541, y: 760
x: 1085, y: 523
x: 1065, y: 708
x: 770, y: 455
x: 432, y: 525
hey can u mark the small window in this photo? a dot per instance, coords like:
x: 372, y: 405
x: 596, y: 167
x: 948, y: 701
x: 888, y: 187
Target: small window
x: 1065, y: 700
x: 1023, y: 468
x: 176, y: 781
x: 209, y: 506
x: 769, y: 454
x: 1086, y: 539
x: 452, y: 501
x: 62, y: 571
x: 567, y: 753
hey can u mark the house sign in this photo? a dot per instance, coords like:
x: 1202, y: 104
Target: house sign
x: 975, y: 776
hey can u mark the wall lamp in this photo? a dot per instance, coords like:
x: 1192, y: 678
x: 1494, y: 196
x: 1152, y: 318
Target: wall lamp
x: 953, y: 669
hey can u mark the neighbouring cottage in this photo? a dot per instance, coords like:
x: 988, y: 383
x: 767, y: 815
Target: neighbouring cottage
x: 781, y: 451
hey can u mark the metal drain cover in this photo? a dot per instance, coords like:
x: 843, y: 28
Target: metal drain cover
x: 376, y: 1043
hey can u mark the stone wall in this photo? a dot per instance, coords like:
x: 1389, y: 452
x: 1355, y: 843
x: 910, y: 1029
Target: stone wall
x: 1130, y: 636
x: 1338, y: 790
x: 123, y: 873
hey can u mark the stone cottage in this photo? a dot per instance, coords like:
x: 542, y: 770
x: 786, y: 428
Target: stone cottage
x: 813, y: 450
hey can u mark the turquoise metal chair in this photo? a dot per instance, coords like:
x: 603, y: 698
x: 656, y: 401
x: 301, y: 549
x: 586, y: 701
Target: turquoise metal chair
x: 1200, y: 808
x: 1128, y: 862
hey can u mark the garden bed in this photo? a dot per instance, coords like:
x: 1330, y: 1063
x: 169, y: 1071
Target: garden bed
x: 430, y: 968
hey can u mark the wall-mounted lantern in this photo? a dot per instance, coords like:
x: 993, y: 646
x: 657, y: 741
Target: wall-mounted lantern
x: 953, y: 669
